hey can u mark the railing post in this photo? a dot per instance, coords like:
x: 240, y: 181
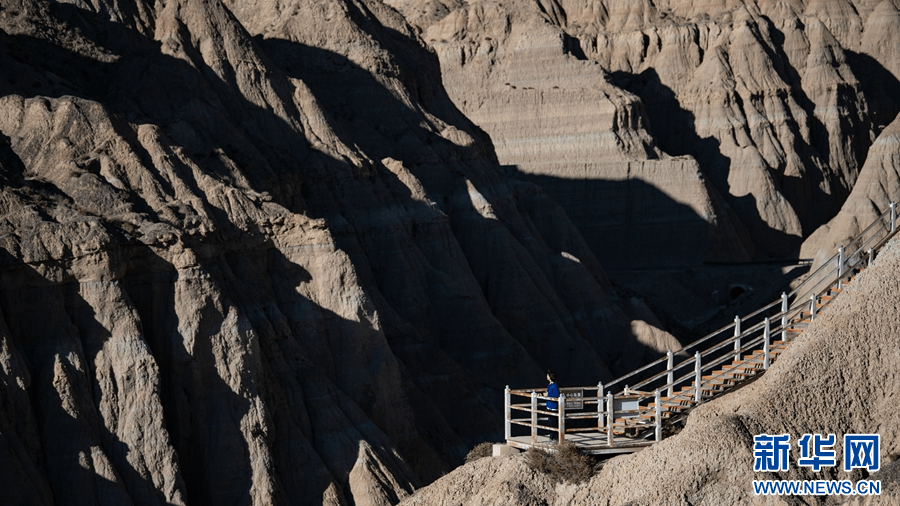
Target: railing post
x: 737, y: 337
x: 657, y: 399
x: 871, y: 255
x: 562, y: 417
x: 507, y: 426
x: 600, y: 409
x: 784, y: 311
x: 767, y: 340
x: 610, y: 419
x: 840, y: 262
x: 534, y: 417
x: 893, y: 217
x: 812, y: 307
x: 697, y: 378
x: 670, y: 366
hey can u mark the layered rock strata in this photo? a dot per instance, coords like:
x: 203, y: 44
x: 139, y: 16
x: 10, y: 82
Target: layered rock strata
x: 252, y: 253
x: 778, y: 102
x: 556, y: 120
x: 878, y: 185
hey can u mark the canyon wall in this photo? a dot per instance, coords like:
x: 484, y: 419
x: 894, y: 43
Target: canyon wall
x: 774, y: 104
x: 878, y: 185
x: 253, y: 254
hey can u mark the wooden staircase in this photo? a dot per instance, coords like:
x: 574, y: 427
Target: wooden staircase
x: 623, y: 419
x: 725, y: 379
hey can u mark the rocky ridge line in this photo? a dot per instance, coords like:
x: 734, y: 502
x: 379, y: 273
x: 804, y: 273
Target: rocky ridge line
x: 253, y: 253
x: 777, y: 102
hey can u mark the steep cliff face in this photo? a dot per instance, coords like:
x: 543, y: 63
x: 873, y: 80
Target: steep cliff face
x: 556, y: 120
x: 878, y: 185
x: 252, y: 253
x: 778, y: 103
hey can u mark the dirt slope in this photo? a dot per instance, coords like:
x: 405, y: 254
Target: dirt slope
x: 839, y: 377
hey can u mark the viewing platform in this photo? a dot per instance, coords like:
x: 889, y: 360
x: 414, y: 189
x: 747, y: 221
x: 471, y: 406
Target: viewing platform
x: 582, y: 420
x: 615, y: 418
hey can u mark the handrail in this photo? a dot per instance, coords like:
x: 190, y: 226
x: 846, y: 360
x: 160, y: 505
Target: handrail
x: 794, y: 309
x: 745, y: 333
x: 862, y: 247
x: 852, y: 241
x: 814, y: 275
x: 636, y: 371
x: 761, y: 310
x: 885, y: 214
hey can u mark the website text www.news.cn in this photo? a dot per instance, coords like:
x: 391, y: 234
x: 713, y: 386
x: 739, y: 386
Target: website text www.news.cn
x: 771, y: 454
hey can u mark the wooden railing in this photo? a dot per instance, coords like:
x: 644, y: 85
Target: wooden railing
x: 729, y: 343
x: 572, y: 407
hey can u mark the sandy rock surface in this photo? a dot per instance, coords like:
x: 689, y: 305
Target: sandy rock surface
x: 251, y: 253
x: 775, y: 104
x: 265, y: 252
x: 878, y: 185
x: 840, y: 377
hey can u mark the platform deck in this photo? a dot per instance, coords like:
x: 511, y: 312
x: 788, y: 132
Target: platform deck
x: 590, y: 443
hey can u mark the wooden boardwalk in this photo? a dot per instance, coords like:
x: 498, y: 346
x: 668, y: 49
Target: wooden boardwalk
x: 711, y: 366
x: 590, y: 443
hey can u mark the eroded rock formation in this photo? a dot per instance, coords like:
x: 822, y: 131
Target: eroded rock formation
x: 878, y: 185
x: 252, y: 253
x: 778, y: 103
x: 837, y: 377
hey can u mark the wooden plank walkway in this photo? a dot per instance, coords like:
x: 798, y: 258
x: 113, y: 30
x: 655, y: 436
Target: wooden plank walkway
x: 590, y: 443
x: 722, y: 361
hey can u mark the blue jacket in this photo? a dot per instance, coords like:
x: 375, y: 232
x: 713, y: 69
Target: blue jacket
x: 552, y: 391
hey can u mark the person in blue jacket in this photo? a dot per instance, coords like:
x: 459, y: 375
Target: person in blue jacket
x: 552, y: 390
